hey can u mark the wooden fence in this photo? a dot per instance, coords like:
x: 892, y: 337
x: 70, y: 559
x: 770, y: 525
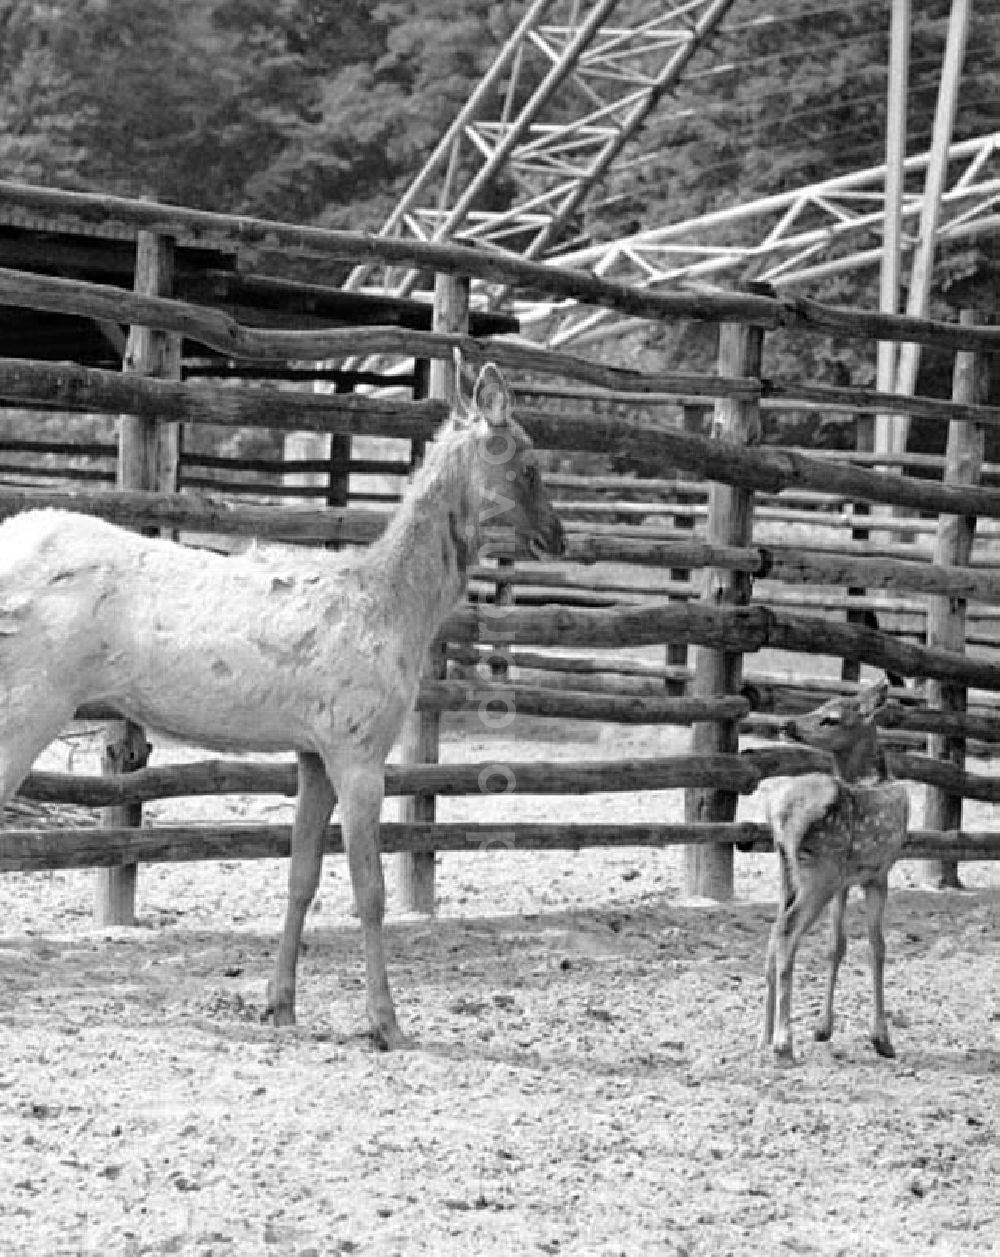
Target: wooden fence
x: 722, y: 572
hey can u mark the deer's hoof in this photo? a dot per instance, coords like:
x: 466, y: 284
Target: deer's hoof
x: 823, y: 1033
x: 783, y: 1054
x: 389, y: 1039
x: 280, y: 1008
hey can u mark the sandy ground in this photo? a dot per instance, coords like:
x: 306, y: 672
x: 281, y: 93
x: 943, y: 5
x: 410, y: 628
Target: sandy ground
x: 585, y: 1078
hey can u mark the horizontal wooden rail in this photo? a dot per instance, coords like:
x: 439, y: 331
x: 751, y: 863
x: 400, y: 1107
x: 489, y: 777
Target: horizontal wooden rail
x: 738, y: 629
x: 213, y: 513
x: 574, y: 705
x: 652, y: 444
x: 743, y: 772
x: 34, y: 850
x: 202, y: 512
x: 92, y: 213
x: 70, y: 387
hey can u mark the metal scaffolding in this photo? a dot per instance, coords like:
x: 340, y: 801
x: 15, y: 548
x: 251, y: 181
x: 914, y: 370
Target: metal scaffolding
x: 566, y: 94
x: 560, y: 116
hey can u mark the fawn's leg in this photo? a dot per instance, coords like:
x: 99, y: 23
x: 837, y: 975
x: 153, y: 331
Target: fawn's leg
x: 838, y: 946
x: 785, y: 896
x: 361, y: 789
x: 795, y: 923
x: 876, y: 893
x: 313, y: 807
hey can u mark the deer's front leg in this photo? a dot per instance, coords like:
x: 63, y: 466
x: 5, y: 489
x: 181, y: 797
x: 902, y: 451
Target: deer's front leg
x: 313, y: 807
x: 876, y: 893
x: 361, y: 792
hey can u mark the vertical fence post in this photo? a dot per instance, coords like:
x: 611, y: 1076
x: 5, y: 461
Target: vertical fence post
x: 677, y: 652
x: 850, y: 669
x: 709, y: 869
x: 946, y: 616
x: 338, y: 488
x: 148, y: 458
x: 421, y: 735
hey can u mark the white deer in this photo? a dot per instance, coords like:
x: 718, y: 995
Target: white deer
x: 833, y: 831
x: 278, y: 649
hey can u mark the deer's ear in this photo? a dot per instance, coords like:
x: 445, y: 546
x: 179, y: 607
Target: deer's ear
x: 462, y: 412
x: 492, y: 397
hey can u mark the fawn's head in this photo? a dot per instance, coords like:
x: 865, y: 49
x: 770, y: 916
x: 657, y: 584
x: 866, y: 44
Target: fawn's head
x: 846, y: 728
x: 515, y: 502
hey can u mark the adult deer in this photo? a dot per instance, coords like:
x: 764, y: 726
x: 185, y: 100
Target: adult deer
x: 833, y: 831
x: 276, y: 649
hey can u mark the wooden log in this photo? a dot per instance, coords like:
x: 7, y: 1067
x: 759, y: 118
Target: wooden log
x: 212, y: 513
x: 639, y: 440
x: 203, y: 513
x: 865, y: 443
x: 726, y: 628
x: 420, y: 742
x: 148, y: 458
x: 36, y: 850
x: 768, y: 470
x: 253, y: 238
x: 576, y: 705
x: 946, y: 778
x: 794, y: 393
x: 742, y: 773
x: 946, y: 617
x: 800, y: 566
x: 677, y: 652
x: 708, y: 869
x: 73, y: 388
x: 26, y: 476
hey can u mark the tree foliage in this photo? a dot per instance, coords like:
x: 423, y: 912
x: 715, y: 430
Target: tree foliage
x: 291, y: 108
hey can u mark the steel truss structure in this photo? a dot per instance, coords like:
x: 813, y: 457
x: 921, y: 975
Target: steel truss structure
x: 563, y: 107
x: 565, y: 96
x: 793, y: 239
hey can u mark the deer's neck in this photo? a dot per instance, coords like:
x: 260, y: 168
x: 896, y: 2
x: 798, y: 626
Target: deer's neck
x: 426, y: 551
x: 864, y: 760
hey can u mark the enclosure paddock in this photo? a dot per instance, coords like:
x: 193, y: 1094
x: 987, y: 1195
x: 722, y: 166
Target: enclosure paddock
x: 585, y: 1002
x: 711, y: 616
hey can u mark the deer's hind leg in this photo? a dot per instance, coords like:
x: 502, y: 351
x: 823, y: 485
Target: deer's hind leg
x: 312, y: 811
x: 813, y: 893
x: 786, y: 895
x: 838, y: 946
x: 876, y: 894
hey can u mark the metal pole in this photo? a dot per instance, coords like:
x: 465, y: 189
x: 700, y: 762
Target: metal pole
x: 895, y: 153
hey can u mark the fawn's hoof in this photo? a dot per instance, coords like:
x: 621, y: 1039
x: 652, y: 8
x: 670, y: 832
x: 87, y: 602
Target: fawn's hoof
x: 883, y: 1045
x: 823, y: 1033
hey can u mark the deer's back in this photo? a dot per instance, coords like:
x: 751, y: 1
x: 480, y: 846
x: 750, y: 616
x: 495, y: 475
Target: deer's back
x: 858, y: 829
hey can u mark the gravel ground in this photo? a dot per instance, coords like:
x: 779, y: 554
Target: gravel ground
x: 585, y: 1077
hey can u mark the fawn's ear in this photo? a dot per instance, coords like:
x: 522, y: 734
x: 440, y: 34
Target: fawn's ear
x: 492, y: 397
x: 874, y: 698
